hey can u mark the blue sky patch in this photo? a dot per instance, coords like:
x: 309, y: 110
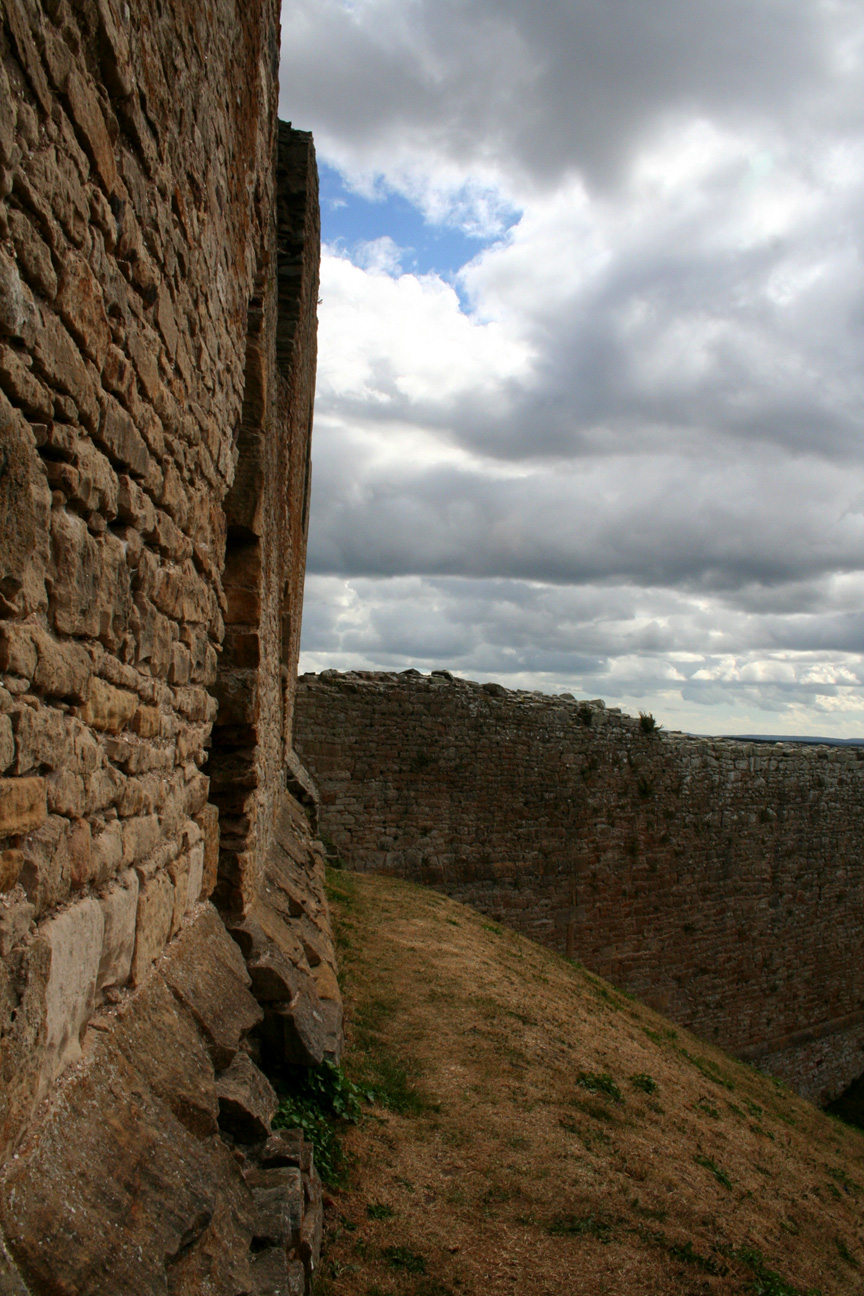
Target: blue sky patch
x: 347, y: 219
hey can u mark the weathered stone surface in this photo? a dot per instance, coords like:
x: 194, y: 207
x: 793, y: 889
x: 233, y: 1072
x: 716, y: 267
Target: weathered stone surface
x: 205, y: 970
x: 81, y: 304
x: 158, y: 1037
x: 10, y: 868
x: 153, y: 923
x: 25, y: 502
x: 273, y: 1274
x: 75, y: 941
x: 62, y: 669
x: 247, y: 1101
x: 116, y: 1192
x: 119, y: 907
x: 22, y: 805
x: 108, y: 708
x: 278, y: 1198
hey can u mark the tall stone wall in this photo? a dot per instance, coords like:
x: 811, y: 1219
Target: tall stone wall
x: 164, y: 938
x: 720, y: 881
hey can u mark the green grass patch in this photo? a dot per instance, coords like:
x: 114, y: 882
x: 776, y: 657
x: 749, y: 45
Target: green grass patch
x: 405, y: 1260
x: 600, y: 1083
x: 644, y: 1082
x: 708, y: 1163
x: 320, y: 1101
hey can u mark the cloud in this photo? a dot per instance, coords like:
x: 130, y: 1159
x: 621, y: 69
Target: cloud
x: 622, y: 444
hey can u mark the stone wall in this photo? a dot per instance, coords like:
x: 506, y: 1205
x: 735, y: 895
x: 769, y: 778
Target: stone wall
x: 159, y: 249
x: 720, y: 881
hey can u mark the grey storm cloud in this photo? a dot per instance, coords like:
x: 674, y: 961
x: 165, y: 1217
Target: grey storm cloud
x: 631, y: 460
x: 543, y: 88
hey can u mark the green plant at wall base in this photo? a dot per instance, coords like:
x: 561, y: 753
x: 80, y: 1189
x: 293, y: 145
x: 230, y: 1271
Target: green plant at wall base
x: 322, y: 1100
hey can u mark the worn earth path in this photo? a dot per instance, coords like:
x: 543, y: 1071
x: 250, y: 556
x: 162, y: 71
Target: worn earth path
x: 536, y: 1131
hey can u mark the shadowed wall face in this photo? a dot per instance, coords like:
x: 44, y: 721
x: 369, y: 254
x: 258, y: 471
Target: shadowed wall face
x: 159, y: 247
x: 722, y: 882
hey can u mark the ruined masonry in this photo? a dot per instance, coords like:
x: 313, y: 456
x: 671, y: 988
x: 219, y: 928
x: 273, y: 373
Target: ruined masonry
x: 165, y: 951
x: 721, y: 882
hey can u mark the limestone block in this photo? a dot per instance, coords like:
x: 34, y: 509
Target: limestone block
x: 22, y: 387
x: 16, y: 917
x: 147, y: 722
x: 34, y: 255
x: 10, y: 867
x: 66, y: 794
x: 153, y: 923
x: 119, y: 908
x: 90, y: 123
x: 25, y: 505
x: 75, y: 940
x: 179, y: 873
x: 278, y: 1198
x: 17, y: 650
x: 40, y: 738
x: 7, y: 743
x: 134, y: 506
x: 108, y: 708
x: 80, y: 303
x: 295, y: 1034
x: 196, y: 875
x: 14, y: 310
x: 120, y: 439
x: 247, y: 1101
x: 141, y: 834
x: 104, y: 788
x: 62, y: 669
x: 11, y: 1283
x: 159, y: 1038
x: 207, y: 820
x: 59, y: 360
x: 273, y: 1273
x: 22, y: 805
x: 205, y: 970
x: 117, y: 1196
x: 97, y: 489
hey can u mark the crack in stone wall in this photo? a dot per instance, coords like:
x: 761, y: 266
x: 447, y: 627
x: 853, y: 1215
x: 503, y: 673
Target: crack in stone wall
x: 720, y: 881
x: 159, y: 247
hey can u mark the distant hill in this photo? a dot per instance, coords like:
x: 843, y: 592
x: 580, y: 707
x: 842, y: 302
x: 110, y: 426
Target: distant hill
x: 797, y: 738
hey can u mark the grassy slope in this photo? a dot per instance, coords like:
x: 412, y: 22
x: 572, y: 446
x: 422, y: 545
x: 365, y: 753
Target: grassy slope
x: 489, y: 1165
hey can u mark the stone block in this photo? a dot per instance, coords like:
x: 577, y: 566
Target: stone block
x: 179, y: 873
x: 15, y: 313
x: 278, y: 1203
x: 40, y: 738
x: 60, y: 362
x: 66, y: 794
x: 119, y: 907
x: 108, y: 708
x: 7, y: 743
x: 159, y: 1038
x: 91, y: 128
x: 153, y: 923
x: 117, y: 1196
x: 16, y: 918
x: 25, y: 505
x: 34, y: 255
x: 23, y: 805
x: 80, y: 303
x: 17, y: 650
x: 273, y: 1274
x: 147, y: 722
x: 62, y: 669
x: 205, y: 970
x: 22, y: 387
x: 75, y: 940
x: 10, y: 867
x: 196, y: 875
x: 120, y: 439
x: 295, y: 1034
x: 207, y: 820
x: 247, y: 1101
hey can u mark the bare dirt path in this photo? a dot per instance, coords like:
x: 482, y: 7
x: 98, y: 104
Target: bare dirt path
x: 537, y: 1132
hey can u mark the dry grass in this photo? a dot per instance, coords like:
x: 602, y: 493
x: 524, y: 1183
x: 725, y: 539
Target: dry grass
x: 538, y: 1132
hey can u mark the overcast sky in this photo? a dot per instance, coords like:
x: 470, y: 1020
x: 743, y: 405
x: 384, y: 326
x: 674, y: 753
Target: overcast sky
x: 589, y: 410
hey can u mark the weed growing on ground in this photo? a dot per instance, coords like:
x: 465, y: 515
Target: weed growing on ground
x: 581, y: 1226
x: 379, y: 1210
x: 710, y: 1164
x: 767, y: 1282
x: 599, y: 1082
x: 641, y: 1080
x: 404, y: 1259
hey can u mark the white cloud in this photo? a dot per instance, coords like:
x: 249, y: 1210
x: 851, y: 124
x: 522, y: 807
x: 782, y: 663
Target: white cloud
x: 622, y: 452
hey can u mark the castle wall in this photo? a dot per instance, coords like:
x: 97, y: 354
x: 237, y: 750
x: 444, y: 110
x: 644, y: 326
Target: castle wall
x: 164, y: 938
x: 720, y: 881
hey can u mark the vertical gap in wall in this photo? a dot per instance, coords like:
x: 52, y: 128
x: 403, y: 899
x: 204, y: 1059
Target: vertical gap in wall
x: 233, y: 759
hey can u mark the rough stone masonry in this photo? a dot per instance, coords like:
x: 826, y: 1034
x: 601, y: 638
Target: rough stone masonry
x: 164, y: 937
x: 720, y: 881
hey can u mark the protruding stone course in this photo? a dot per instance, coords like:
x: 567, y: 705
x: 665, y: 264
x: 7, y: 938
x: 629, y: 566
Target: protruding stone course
x: 721, y: 881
